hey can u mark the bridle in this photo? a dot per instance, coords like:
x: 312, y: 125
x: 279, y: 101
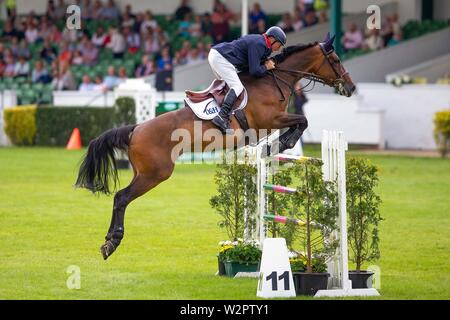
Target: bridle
x: 337, y: 83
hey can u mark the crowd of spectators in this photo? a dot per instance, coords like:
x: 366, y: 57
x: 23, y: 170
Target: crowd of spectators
x: 60, y: 50
x: 374, y: 39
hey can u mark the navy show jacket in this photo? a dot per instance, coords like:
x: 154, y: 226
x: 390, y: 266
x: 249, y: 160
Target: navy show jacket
x: 247, y: 53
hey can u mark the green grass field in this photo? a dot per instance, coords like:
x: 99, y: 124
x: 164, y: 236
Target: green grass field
x: 171, y: 233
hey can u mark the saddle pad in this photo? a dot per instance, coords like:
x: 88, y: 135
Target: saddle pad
x: 208, y: 109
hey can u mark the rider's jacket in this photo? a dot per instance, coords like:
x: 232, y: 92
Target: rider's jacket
x: 247, y: 53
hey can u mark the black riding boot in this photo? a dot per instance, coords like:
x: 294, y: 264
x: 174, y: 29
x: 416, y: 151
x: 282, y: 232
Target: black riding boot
x: 222, y: 120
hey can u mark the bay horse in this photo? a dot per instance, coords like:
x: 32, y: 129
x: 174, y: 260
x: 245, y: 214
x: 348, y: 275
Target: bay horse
x: 149, y: 144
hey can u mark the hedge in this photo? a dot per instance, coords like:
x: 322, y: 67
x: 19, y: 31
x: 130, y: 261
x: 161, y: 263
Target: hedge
x: 52, y: 126
x: 55, y: 124
x: 20, y: 125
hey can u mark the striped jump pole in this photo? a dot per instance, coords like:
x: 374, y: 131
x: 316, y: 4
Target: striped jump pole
x: 284, y: 220
x: 279, y: 189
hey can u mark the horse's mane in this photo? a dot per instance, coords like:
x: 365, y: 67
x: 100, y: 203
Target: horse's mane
x: 291, y: 50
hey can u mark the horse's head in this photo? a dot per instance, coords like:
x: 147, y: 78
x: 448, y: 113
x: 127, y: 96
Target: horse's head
x: 331, y: 70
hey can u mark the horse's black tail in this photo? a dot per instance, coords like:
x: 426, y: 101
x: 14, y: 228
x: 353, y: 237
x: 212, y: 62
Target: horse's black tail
x: 99, y: 162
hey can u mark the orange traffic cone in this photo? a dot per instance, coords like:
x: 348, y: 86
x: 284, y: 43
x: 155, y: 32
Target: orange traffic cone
x: 75, y: 140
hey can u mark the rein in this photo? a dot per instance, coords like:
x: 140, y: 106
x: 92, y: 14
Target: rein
x: 312, y: 77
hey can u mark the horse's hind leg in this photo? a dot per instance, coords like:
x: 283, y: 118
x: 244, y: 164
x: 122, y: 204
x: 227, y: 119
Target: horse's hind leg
x: 141, y: 184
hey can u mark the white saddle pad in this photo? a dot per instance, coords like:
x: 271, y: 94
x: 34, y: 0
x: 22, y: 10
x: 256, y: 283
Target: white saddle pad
x: 208, y: 109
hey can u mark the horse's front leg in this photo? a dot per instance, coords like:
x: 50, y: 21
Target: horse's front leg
x: 296, y: 123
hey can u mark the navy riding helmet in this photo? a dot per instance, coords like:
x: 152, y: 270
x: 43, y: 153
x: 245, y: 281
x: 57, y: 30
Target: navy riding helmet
x: 278, y: 34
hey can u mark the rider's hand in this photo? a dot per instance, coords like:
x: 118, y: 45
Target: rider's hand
x: 270, y: 64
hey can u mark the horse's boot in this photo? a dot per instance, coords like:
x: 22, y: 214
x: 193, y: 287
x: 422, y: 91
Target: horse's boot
x: 222, y: 120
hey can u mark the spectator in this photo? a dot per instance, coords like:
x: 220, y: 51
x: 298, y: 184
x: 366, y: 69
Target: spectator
x: 193, y: 57
x: 55, y: 35
x: 310, y: 18
x: 90, y: 54
x: 98, y: 84
x: 374, y: 41
x: 129, y: 11
x: 45, y: 29
x: 97, y: 10
x: 99, y: 38
x: 286, y: 23
x: 220, y: 23
x: 10, y: 68
x: 185, y: 49
x: 390, y: 28
x: 48, y: 53
x: 111, y: 80
x: 31, y: 33
x: 65, y: 55
x: 10, y: 32
x: 297, y: 22
x: 151, y: 44
x: 22, y: 68
x: 256, y: 15
x: 77, y: 58
x: 182, y: 10
x: 64, y: 79
x: 122, y: 75
x: 2, y: 68
x: 23, y: 50
x: 59, y: 11
x: 323, y: 17
x: 50, y: 9
x: 165, y: 59
x: 164, y: 78
x: 148, y: 22
x: 110, y: 12
x: 178, y: 60
x: 86, y: 84
x: 133, y: 40
x: 127, y: 21
x: 39, y: 73
x: 117, y: 43
x: 195, y: 29
x: 146, y: 68
x: 353, y: 38
x: 184, y: 26
x: 207, y: 25
x: 161, y: 36
x: 86, y: 10
x: 202, y: 50
x: 2, y: 50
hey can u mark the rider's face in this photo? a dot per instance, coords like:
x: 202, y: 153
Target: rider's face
x: 276, y: 46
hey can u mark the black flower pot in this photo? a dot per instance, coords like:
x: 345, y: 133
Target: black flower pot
x: 221, y: 265
x: 309, y: 283
x: 361, y: 279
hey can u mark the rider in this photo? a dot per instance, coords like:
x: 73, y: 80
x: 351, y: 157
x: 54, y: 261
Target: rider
x: 246, y: 53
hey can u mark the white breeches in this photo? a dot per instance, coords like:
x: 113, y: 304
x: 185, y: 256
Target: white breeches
x: 224, y: 70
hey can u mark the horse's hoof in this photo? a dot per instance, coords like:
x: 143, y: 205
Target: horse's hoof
x: 107, y: 249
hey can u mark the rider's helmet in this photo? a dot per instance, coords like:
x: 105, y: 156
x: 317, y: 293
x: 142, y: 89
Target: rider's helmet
x: 277, y: 33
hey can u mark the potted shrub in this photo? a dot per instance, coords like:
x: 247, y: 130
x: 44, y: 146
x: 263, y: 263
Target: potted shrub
x: 236, y: 195
x: 243, y: 256
x: 315, y: 203
x: 363, y: 218
x: 442, y: 131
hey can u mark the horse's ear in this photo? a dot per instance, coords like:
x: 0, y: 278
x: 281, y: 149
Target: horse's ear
x: 327, y: 37
x: 329, y: 42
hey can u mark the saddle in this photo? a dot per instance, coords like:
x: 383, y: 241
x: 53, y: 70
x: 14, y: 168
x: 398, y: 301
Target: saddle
x: 206, y: 103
